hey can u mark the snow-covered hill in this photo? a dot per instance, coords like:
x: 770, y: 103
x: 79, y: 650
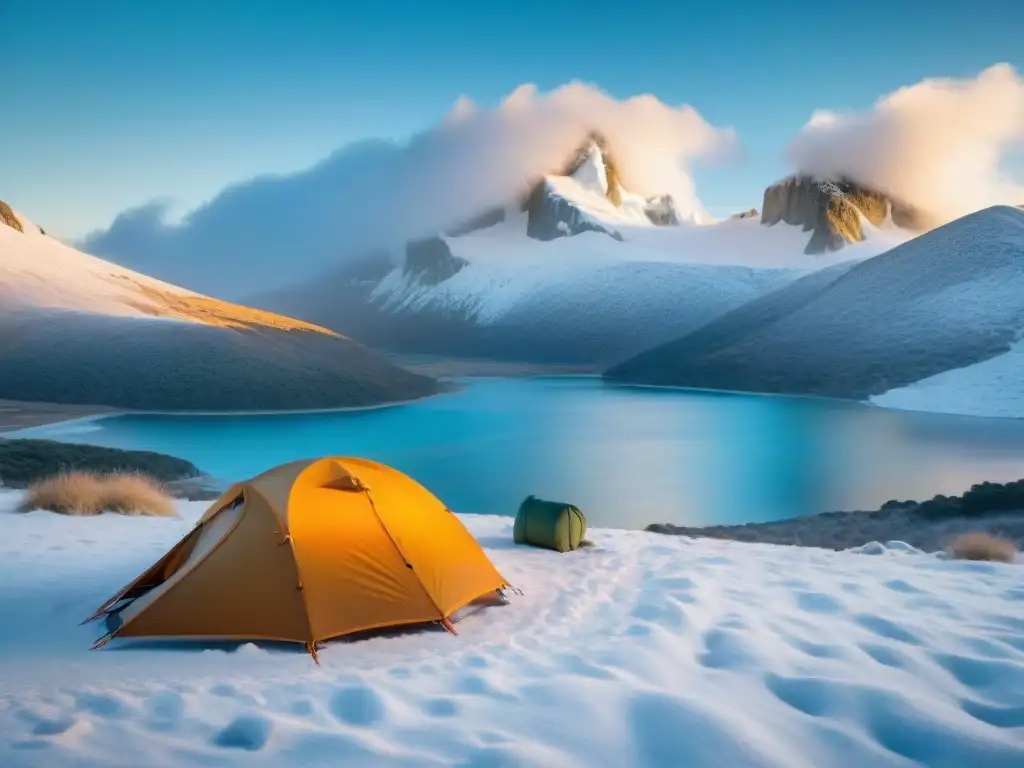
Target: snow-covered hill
x: 77, y: 329
x: 951, y: 298
x: 668, y: 650
x: 581, y: 271
x: 993, y: 388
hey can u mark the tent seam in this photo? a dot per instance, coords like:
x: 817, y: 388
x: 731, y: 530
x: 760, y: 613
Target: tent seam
x: 214, y: 548
x: 401, y: 554
x: 105, y: 608
x: 295, y: 559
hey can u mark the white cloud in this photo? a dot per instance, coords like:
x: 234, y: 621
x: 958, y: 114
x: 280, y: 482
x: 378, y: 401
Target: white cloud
x: 938, y: 144
x: 257, y: 234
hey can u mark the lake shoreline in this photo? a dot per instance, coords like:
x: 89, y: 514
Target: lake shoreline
x: 17, y: 415
x: 846, y: 530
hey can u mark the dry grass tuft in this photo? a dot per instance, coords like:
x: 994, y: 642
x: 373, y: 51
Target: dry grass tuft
x: 84, y: 493
x: 983, y: 546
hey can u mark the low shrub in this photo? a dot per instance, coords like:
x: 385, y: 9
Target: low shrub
x: 86, y: 493
x: 24, y: 461
x: 983, y: 498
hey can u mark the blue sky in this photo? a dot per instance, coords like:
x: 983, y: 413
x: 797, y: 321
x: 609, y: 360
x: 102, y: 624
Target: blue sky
x: 111, y: 104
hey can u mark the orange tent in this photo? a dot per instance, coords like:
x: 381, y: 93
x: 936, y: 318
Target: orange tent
x: 308, y: 551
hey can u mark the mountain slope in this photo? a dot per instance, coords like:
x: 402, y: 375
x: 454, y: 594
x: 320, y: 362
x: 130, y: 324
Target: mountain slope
x: 950, y: 298
x: 582, y: 271
x: 77, y: 329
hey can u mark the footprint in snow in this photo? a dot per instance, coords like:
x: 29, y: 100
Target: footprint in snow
x: 248, y: 732
x: 357, y: 705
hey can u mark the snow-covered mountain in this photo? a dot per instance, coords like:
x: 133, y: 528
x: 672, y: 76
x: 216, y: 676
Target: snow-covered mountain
x: 77, y: 329
x: 951, y: 300
x: 579, y: 270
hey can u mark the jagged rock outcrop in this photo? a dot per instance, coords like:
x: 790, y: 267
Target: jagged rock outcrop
x: 749, y: 214
x: 430, y: 261
x: 832, y: 210
x: 7, y: 217
x: 662, y: 211
x: 584, y: 152
x: 551, y: 216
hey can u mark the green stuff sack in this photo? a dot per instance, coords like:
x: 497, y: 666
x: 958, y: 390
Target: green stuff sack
x: 549, y: 524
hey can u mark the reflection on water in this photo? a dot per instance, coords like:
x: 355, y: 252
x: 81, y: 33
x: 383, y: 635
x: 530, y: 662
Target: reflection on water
x: 627, y: 456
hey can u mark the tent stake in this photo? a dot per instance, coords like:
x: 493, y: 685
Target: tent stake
x: 311, y: 649
x: 102, y: 641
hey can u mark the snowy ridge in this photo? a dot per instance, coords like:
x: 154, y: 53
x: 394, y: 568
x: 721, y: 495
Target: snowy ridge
x: 588, y: 298
x: 951, y: 297
x: 728, y: 654
x: 585, y: 272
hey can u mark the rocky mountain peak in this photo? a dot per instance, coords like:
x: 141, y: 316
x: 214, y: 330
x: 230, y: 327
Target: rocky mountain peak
x: 832, y: 209
x: 430, y: 261
x: 594, y: 166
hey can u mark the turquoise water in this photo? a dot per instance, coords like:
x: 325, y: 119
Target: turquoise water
x: 627, y: 456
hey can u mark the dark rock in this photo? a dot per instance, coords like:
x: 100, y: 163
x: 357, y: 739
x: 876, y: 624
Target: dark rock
x: 552, y: 216
x: 431, y: 261
x: 661, y: 210
x: 748, y: 214
x: 988, y: 507
x: 831, y: 210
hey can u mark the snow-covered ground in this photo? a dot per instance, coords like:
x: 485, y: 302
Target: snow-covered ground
x: 645, y: 650
x: 994, y: 387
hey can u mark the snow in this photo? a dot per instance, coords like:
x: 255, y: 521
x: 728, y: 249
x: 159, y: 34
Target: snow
x: 994, y: 388
x: 644, y: 650
x: 39, y: 271
x: 950, y: 298
x: 591, y: 173
x: 732, y: 261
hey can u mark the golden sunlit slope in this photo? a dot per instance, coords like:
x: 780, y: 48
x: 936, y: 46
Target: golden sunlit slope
x: 77, y: 329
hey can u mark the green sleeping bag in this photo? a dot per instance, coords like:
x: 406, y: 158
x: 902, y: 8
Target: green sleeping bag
x: 549, y: 524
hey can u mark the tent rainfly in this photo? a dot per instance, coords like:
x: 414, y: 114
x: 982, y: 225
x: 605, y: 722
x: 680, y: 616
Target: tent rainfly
x: 305, y: 552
